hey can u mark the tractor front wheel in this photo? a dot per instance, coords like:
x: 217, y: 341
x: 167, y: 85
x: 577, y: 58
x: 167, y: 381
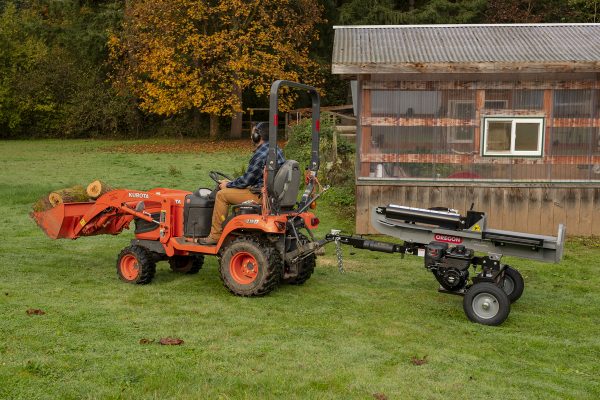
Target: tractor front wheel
x: 186, y: 264
x: 136, y: 265
x: 250, y: 267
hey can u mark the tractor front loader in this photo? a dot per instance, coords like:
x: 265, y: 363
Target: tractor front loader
x: 262, y: 244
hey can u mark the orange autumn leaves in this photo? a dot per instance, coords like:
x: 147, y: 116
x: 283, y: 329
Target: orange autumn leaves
x: 178, y: 55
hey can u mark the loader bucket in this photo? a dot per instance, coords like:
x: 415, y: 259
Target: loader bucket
x: 61, y: 221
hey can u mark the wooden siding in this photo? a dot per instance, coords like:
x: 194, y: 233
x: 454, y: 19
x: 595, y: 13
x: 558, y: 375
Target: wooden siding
x: 479, y: 111
x: 514, y: 83
x: 435, y: 121
x: 477, y: 159
x: 474, y: 67
x: 365, y: 130
x: 393, y: 133
x: 518, y: 208
x: 560, y: 188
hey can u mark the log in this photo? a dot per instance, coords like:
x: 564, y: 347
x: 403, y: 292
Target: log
x: 69, y: 195
x: 97, y: 189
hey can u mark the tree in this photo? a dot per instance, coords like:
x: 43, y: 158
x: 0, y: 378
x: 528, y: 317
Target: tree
x: 20, y: 56
x: 535, y: 11
x: 182, y: 55
x: 388, y: 12
x: 52, y: 74
x: 586, y: 10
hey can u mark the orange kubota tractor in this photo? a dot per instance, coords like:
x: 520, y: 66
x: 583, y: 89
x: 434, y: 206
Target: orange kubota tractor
x: 261, y: 244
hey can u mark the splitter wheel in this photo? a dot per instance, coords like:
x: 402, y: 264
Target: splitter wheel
x: 487, y: 304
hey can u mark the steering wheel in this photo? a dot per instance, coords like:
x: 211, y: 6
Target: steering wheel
x: 218, y: 176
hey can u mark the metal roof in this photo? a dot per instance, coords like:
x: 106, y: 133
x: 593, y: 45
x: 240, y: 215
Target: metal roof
x: 466, y: 48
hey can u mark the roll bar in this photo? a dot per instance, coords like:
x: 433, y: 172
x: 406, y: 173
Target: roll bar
x: 274, y: 122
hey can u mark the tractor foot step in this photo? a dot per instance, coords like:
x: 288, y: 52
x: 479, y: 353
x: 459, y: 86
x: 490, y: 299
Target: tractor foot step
x: 194, y: 242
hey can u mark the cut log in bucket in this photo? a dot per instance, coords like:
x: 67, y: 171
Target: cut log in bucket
x: 97, y: 189
x: 69, y: 195
x: 59, y: 212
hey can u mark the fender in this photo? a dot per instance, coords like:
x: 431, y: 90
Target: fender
x: 246, y: 222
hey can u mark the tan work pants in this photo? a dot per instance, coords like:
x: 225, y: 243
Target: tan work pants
x: 225, y: 198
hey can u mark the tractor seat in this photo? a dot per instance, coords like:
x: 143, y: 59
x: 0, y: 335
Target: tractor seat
x: 285, y: 190
x: 287, y: 184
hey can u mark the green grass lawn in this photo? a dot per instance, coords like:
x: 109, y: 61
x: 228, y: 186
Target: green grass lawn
x: 340, y: 336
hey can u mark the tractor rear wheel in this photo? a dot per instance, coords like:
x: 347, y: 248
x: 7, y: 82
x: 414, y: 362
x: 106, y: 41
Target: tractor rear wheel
x: 306, y: 269
x: 186, y: 264
x: 250, y: 267
x: 136, y: 265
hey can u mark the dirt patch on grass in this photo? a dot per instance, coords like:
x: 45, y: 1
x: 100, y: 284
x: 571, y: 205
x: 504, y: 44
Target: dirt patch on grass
x: 418, y: 361
x: 169, y: 341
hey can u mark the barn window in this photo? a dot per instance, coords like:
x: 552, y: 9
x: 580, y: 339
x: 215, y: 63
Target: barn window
x: 574, y: 141
x: 573, y: 104
x: 461, y: 110
x: 513, y: 136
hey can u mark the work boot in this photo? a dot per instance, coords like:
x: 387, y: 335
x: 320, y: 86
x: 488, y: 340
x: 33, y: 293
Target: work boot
x: 208, y: 241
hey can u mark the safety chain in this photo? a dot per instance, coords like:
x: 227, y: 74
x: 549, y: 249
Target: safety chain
x: 338, y: 252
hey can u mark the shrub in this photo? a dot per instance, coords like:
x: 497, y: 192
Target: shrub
x: 338, y: 172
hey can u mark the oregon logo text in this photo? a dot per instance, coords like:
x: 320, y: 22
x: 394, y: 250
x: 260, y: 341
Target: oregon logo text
x: 447, y: 239
x: 139, y: 195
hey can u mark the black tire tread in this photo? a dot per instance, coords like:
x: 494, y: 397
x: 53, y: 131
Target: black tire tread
x: 307, y: 267
x: 273, y: 271
x: 181, y: 264
x: 306, y: 270
x: 146, y: 263
x: 517, y: 278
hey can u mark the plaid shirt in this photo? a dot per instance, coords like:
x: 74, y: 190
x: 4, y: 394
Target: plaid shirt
x: 256, y: 166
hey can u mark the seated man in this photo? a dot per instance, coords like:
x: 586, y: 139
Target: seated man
x: 238, y: 190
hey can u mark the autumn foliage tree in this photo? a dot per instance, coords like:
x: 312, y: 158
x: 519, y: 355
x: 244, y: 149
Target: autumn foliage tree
x: 186, y: 55
x: 528, y: 11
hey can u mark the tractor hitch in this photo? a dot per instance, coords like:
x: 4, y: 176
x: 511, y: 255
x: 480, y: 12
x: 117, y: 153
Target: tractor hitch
x: 304, y: 250
x: 362, y: 243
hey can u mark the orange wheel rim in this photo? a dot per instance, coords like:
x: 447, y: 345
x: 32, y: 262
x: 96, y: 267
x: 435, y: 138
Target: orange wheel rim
x: 129, y: 267
x: 243, y: 268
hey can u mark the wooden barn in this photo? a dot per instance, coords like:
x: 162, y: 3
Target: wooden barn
x: 503, y: 116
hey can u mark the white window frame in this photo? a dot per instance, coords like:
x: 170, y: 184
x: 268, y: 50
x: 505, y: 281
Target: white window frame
x: 514, y: 121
